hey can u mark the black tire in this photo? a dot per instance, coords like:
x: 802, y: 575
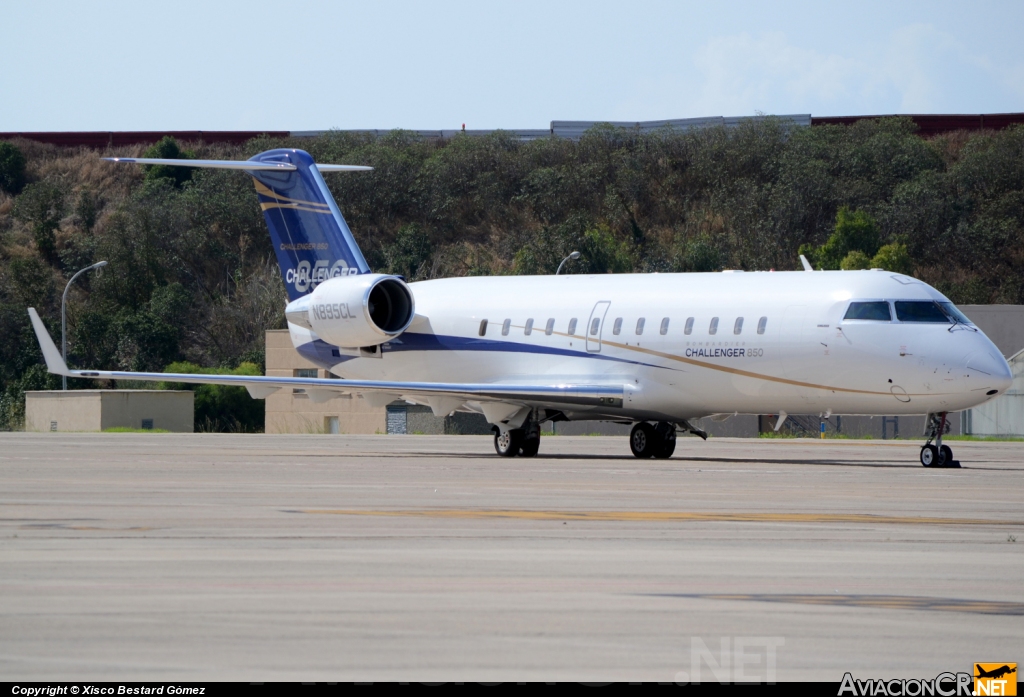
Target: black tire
x: 529, y: 447
x: 945, y: 455
x: 643, y: 440
x: 509, y: 443
x: 666, y: 439
x: 929, y: 456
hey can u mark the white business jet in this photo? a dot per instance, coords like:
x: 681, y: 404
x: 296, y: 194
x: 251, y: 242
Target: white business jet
x: 653, y: 350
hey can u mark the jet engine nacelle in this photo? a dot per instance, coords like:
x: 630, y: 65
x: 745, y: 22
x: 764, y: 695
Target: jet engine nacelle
x: 350, y: 311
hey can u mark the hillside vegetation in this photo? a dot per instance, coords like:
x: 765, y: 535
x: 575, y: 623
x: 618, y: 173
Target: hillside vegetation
x: 192, y: 275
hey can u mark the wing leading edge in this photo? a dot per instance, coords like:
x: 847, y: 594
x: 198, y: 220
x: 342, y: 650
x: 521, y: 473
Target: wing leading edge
x: 451, y: 394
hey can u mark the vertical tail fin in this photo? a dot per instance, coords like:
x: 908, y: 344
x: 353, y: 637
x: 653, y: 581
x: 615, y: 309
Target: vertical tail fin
x: 311, y: 238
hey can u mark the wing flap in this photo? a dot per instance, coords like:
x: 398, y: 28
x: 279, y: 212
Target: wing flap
x: 562, y: 393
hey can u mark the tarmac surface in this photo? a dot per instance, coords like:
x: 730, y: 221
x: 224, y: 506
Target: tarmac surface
x: 132, y: 557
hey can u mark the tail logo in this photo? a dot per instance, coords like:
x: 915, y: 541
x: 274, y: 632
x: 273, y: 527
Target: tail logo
x: 305, y: 277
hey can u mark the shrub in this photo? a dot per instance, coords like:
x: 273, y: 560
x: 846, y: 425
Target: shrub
x: 854, y: 231
x: 168, y: 149
x: 855, y: 260
x: 42, y: 205
x: 219, y: 407
x: 12, y: 168
x: 893, y: 257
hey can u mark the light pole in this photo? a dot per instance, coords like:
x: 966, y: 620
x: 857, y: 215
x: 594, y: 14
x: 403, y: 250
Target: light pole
x: 574, y: 256
x: 64, y: 318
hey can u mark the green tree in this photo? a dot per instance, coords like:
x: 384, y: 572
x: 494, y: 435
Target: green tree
x: 408, y: 254
x: 894, y: 257
x: 855, y: 260
x: 701, y: 254
x: 12, y: 400
x: 12, y: 168
x: 219, y: 407
x: 87, y: 209
x: 854, y: 231
x: 603, y: 253
x: 42, y: 206
x: 168, y: 149
x: 145, y: 342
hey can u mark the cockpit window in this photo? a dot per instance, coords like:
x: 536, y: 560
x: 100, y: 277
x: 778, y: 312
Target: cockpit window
x: 955, y: 314
x: 920, y: 311
x: 876, y: 310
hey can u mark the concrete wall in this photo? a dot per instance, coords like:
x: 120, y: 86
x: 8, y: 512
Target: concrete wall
x: 1004, y: 415
x: 98, y: 410
x: 1003, y: 324
x: 291, y: 411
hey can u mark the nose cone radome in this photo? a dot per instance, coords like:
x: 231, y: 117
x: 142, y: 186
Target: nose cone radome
x: 987, y: 370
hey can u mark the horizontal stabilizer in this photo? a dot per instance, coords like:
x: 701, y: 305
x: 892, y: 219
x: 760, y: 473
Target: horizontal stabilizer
x: 245, y: 165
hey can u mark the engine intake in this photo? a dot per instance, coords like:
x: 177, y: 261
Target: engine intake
x: 352, y: 311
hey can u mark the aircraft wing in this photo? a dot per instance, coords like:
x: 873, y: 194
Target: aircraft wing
x: 497, y: 400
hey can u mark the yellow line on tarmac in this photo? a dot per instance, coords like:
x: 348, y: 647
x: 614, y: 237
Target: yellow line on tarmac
x: 664, y: 516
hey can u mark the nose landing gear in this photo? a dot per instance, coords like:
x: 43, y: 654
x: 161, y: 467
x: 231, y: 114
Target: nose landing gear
x: 937, y: 455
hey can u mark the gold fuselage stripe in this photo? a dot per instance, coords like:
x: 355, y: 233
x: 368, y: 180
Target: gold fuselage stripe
x: 726, y: 369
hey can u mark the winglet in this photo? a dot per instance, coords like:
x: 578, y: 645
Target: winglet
x: 807, y: 264
x: 54, y: 363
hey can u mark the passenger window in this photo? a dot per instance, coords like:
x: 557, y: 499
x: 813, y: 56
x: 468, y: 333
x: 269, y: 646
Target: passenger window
x: 640, y: 326
x: 919, y: 311
x: 528, y: 329
x: 483, y: 327
x: 878, y: 311
x: 617, y: 327
x: 550, y: 326
x: 664, y: 326
x: 738, y: 327
x: 713, y: 329
x: 594, y: 326
x: 572, y: 326
x: 688, y: 327
x: 505, y: 326
x: 761, y: 324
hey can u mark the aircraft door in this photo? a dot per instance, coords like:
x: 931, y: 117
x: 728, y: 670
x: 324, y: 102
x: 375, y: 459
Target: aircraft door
x: 791, y: 342
x: 595, y: 326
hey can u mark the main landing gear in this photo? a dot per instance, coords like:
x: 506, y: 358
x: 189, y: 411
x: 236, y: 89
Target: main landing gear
x: 937, y: 455
x: 524, y: 441
x: 658, y: 440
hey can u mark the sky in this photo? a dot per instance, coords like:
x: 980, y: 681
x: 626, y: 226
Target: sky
x: 184, y: 65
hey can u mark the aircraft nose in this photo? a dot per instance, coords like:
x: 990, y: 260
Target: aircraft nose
x: 990, y: 368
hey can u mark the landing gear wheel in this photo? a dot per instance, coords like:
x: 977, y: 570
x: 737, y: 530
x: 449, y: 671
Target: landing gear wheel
x: 508, y: 443
x: 929, y: 456
x: 643, y: 441
x: 529, y: 447
x: 665, y: 436
x: 945, y: 455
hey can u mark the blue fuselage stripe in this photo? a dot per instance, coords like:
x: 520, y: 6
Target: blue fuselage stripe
x: 325, y: 354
